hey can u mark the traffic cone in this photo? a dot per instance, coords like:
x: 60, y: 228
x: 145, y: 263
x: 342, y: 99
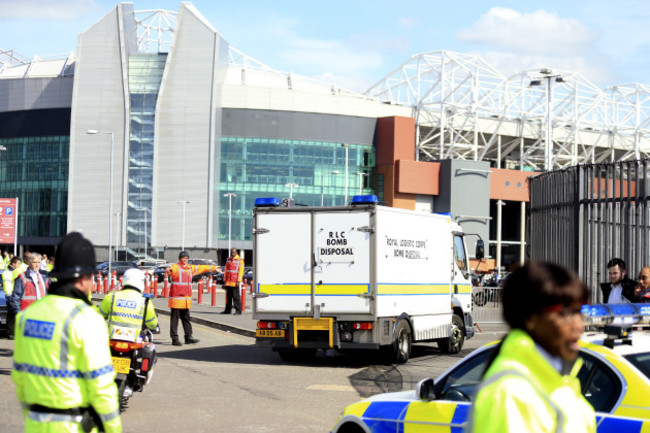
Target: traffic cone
x: 147, y: 280
x: 166, y: 285
x: 242, y: 290
x: 214, y: 295
x: 105, y: 284
x: 155, y: 286
x: 199, y: 298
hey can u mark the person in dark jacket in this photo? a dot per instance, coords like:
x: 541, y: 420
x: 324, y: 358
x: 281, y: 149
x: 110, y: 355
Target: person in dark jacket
x: 620, y: 288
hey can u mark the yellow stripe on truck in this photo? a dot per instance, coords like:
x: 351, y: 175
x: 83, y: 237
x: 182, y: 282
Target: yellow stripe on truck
x: 413, y: 289
x: 321, y: 290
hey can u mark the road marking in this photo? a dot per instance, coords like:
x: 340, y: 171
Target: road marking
x: 332, y: 388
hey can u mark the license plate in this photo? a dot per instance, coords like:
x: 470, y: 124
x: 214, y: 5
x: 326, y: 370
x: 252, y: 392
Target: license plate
x: 121, y: 365
x: 274, y: 333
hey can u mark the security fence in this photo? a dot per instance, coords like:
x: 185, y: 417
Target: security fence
x: 583, y: 216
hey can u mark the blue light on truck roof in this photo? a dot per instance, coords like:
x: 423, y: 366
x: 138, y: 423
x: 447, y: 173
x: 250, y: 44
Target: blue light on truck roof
x: 267, y: 202
x: 365, y: 199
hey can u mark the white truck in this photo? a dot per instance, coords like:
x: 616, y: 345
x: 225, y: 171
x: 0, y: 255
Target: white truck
x: 362, y: 276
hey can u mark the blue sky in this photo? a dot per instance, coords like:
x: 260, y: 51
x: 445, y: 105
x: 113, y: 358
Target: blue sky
x: 356, y: 43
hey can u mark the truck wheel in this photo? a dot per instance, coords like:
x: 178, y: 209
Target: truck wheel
x: 454, y: 343
x: 400, y: 350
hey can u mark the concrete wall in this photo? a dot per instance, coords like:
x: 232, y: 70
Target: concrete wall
x: 100, y: 102
x: 465, y: 192
x: 187, y: 134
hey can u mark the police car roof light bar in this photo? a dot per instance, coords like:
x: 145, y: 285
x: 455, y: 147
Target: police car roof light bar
x: 267, y: 202
x: 364, y: 199
x: 615, y: 314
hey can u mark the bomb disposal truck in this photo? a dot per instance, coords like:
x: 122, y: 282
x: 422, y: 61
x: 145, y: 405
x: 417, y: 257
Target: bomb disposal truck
x: 362, y: 276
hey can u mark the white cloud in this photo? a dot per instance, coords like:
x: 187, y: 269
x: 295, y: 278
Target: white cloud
x: 510, y: 63
x: 56, y: 10
x: 408, y: 22
x: 539, y: 32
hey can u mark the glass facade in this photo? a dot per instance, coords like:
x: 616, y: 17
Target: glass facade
x: 263, y: 167
x: 35, y: 169
x: 145, y: 75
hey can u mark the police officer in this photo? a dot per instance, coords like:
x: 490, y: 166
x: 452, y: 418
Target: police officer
x: 126, y: 308
x: 9, y: 276
x: 62, y: 364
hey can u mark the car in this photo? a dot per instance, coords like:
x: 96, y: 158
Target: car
x: 3, y: 309
x: 615, y: 379
x: 159, y: 271
x: 197, y: 277
x: 119, y: 267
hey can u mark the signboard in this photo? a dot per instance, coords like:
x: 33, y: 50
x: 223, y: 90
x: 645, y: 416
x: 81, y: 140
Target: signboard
x: 8, y: 218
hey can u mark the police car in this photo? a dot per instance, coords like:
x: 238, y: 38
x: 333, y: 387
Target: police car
x: 615, y: 379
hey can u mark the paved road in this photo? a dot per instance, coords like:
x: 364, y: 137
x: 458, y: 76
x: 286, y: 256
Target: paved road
x: 226, y: 383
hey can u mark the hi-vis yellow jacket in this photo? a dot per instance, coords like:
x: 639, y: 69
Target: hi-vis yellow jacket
x: 522, y: 392
x: 62, y: 361
x: 126, y: 309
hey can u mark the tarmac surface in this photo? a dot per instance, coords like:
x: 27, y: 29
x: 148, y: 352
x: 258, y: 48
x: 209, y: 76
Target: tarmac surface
x: 206, y: 314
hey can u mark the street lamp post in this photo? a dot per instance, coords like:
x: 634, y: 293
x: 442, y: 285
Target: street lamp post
x: 110, y: 198
x: 549, y: 76
x: 322, y: 182
x: 183, y: 202
x: 291, y: 186
x: 361, y: 175
x: 230, y: 195
x: 347, y: 147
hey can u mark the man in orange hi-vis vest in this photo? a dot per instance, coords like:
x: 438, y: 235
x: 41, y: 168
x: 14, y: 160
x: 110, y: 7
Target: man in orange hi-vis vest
x: 233, y: 277
x: 180, y: 296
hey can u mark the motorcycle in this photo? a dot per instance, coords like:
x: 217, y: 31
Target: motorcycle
x: 133, y: 356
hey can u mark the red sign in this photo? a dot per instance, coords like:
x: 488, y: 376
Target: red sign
x: 8, y: 214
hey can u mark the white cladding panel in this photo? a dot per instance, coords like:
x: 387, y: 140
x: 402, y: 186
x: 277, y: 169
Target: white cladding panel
x: 187, y: 132
x: 99, y: 103
x: 19, y: 94
x: 414, y: 263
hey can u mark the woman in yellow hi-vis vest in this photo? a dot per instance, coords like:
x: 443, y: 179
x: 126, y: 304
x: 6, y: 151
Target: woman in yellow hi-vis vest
x: 180, y: 296
x: 531, y: 385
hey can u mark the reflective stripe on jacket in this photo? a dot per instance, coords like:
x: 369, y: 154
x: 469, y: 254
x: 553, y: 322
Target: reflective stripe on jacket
x: 522, y: 392
x: 33, y: 292
x: 234, y: 271
x: 180, y: 294
x: 62, y: 361
x: 126, y: 309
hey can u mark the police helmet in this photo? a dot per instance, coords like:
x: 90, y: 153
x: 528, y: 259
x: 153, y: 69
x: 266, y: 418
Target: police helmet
x: 134, y: 278
x: 74, y: 257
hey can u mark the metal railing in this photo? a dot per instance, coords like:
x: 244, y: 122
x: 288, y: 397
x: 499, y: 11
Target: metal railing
x: 583, y: 216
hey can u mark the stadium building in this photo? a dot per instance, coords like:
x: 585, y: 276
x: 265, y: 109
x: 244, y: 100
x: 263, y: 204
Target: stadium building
x: 157, y: 135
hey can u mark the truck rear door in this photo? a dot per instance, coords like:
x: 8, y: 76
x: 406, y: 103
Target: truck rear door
x: 342, y: 275
x: 283, y: 262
